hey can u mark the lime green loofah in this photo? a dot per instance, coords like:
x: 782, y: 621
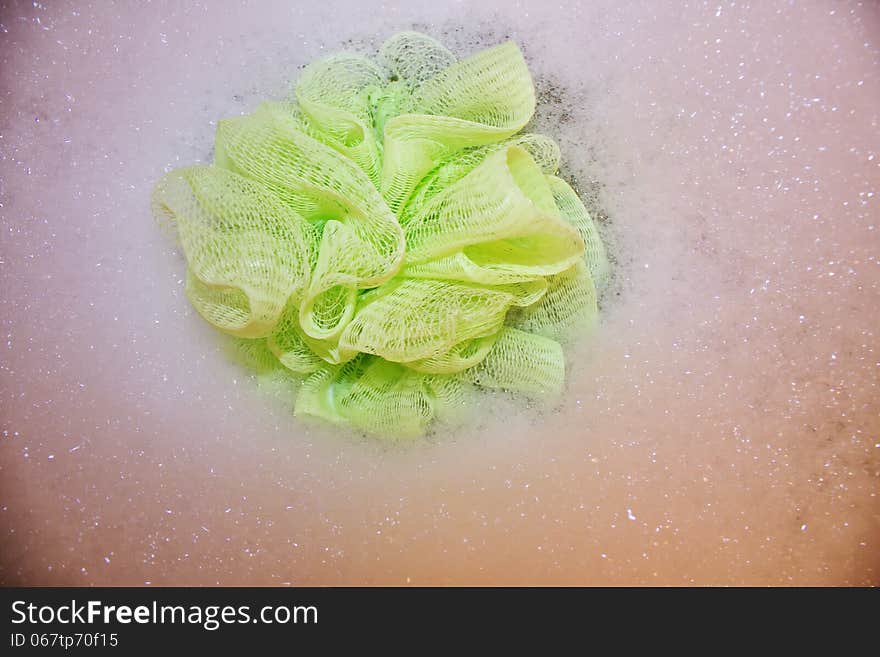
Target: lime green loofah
x: 389, y: 238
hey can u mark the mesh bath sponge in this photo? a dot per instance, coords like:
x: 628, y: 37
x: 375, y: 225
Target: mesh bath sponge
x: 388, y: 239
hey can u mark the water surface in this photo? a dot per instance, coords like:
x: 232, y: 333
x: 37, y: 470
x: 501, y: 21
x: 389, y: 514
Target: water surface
x: 721, y: 427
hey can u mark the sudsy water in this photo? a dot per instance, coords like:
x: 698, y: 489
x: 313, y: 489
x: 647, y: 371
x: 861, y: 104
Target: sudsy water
x: 722, y: 425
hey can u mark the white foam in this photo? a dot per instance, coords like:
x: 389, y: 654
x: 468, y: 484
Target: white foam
x: 728, y: 399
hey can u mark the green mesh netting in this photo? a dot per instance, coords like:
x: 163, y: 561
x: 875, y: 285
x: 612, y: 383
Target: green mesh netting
x: 387, y: 237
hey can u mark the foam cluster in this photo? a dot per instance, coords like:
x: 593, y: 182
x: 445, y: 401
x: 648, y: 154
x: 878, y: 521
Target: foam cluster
x: 390, y: 238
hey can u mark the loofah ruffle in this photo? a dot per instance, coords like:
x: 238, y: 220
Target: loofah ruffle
x: 387, y: 236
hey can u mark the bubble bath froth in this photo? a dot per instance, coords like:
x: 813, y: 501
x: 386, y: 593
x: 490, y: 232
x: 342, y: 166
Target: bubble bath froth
x: 721, y: 426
